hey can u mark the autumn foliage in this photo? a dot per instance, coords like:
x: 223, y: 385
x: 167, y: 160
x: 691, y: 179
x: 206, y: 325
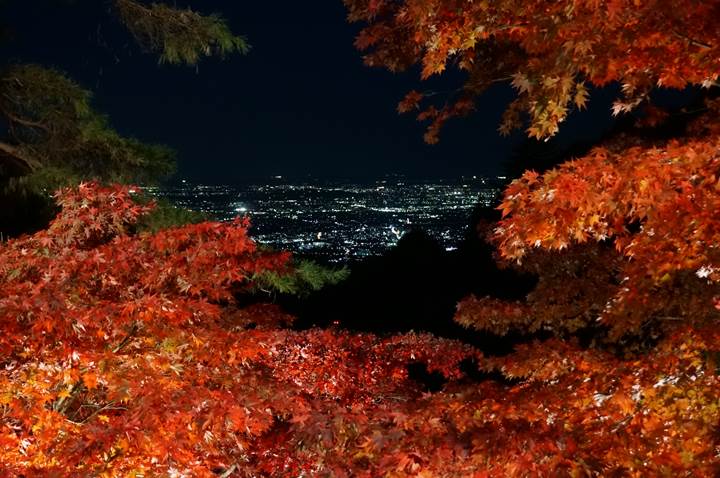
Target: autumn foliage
x: 129, y: 354
x: 653, y: 202
x: 623, y: 241
x: 551, y: 52
x: 125, y: 354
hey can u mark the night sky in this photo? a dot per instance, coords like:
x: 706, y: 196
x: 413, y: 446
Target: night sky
x: 301, y: 103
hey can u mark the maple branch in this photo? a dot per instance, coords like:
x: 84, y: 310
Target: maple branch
x: 692, y: 112
x: 127, y: 338
x: 229, y: 471
x: 501, y: 80
x: 508, y: 27
x: 109, y: 406
x: 63, y: 404
x: 622, y: 423
x: 692, y: 41
x: 431, y: 93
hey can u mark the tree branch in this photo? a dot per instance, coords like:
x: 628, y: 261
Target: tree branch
x: 229, y: 471
x: 109, y: 406
x: 14, y: 155
x: 127, y: 338
x: 25, y: 122
x: 692, y: 41
x: 62, y: 405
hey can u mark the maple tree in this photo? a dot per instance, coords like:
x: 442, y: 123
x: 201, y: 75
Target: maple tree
x: 652, y: 201
x: 127, y: 354
x: 623, y: 239
x: 550, y: 52
x: 123, y: 353
x: 651, y: 209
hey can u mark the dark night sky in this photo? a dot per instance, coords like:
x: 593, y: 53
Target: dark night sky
x: 301, y: 103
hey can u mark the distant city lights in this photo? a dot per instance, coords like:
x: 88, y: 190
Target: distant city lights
x: 342, y: 220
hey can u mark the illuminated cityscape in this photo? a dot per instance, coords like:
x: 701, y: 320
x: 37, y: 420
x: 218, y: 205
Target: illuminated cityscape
x: 341, y: 221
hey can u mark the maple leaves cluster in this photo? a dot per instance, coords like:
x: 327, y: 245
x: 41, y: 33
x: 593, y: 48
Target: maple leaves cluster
x: 126, y: 354
x: 551, y: 52
x: 652, y: 209
x: 624, y: 241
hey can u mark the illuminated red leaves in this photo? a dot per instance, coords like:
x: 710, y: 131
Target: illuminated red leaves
x: 657, y: 204
x: 547, y: 49
x: 126, y: 354
x: 493, y: 315
x: 363, y: 368
x: 410, y: 102
x: 92, y: 214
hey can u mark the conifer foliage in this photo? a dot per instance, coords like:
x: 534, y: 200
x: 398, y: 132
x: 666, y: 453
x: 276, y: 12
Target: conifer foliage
x: 179, y: 35
x: 54, y: 136
x: 51, y: 136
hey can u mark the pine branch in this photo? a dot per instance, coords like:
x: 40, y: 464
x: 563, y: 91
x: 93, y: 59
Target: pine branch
x: 14, y: 155
x: 180, y: 36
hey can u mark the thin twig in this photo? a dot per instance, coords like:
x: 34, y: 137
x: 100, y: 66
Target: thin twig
x: 229, y: 471
x: 127, y: 338
x: 109, y: 406
x: 692, y: 40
